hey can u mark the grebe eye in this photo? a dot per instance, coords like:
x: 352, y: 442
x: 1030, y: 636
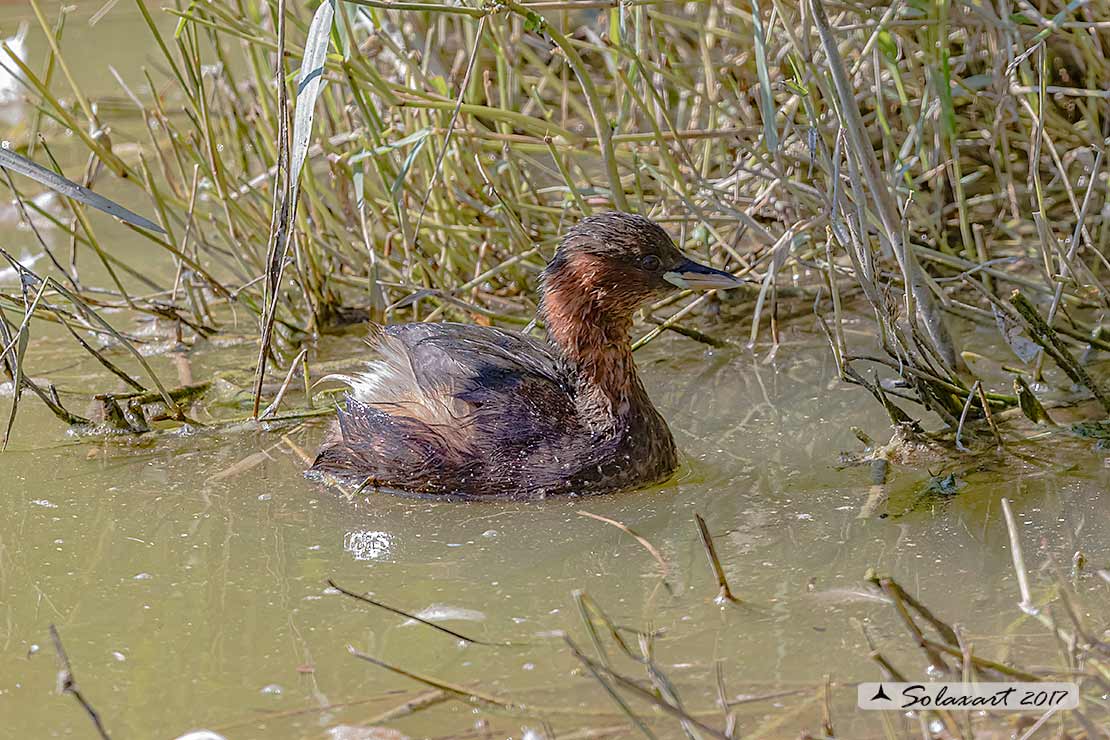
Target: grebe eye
x: 650, y: 262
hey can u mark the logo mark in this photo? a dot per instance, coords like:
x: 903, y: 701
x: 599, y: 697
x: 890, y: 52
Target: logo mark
x: 880, y: 694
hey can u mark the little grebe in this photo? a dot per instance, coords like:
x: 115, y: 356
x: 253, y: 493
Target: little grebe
x: 474, y: 412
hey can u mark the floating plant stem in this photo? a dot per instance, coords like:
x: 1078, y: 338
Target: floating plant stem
x: 1026, y: 602
x: 68, y: 684
x: 724, y: 593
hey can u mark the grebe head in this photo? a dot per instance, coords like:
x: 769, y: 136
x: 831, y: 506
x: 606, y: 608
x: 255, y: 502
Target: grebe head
x: 616, y: 261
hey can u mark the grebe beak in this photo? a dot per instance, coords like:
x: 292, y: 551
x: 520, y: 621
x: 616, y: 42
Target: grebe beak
x: 692, y: 275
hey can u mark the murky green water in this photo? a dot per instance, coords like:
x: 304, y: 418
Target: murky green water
x: 190, y: 588
x: 187, y: 574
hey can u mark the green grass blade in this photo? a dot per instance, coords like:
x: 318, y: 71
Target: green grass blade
x: 766, y: 101
x: 21, y: 165
x: 309, y: 85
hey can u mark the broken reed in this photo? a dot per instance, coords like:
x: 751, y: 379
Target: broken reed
x: 925, y: 157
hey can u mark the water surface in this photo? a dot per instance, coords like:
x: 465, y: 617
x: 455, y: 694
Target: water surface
x: 190, y: 586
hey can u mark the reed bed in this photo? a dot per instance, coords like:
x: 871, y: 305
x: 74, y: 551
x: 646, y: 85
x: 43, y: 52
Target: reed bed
x: 910, y: 169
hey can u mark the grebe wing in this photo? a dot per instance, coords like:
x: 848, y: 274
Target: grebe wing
x: 512, y: 388
x: 446, y: 352
x: 452, y: 376
x: 441, y: 399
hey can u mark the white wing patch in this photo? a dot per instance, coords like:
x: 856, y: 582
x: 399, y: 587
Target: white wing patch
x: 391, y: 385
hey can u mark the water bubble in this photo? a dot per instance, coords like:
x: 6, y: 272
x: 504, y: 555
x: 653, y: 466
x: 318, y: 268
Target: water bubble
x: 368, y: 544
x: 272, y: 689
x: 141, y: 577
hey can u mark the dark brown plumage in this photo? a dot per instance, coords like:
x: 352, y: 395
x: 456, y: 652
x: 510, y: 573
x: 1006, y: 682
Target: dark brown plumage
x: 478, y: 412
